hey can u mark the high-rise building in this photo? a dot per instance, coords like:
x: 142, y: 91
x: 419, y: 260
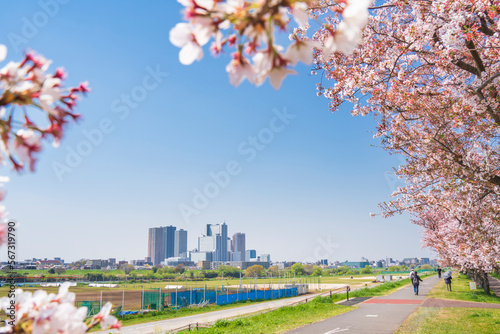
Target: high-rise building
x: 180, y: 248
x: 161, y: 241
x: 250, y: 254
x: 155, y: 245
x: 169, y: 241
x: 214, y: 240
x: 238, y: 247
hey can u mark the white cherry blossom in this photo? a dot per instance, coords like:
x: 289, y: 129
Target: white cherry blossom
x: 189, y: 38
x: 3, y: 52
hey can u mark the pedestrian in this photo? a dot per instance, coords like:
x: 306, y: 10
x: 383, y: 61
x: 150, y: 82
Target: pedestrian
x: 416, y: 282
x: 439, y: 272
x: 411, y: 274
x: 447, y: 280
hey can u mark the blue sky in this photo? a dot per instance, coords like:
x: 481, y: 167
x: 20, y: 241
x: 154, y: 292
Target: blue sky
x: 306, y: 193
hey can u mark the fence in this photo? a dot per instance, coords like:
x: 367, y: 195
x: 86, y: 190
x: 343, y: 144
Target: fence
x: 93, y: 307
x: 154, y: 300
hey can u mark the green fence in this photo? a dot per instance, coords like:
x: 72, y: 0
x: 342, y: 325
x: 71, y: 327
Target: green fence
x: 154, y: 300
x: 92, y: 307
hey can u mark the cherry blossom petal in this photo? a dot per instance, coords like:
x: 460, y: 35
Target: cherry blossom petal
x: 3, y: 52
x: 189, y: 53
x: 277, y: 75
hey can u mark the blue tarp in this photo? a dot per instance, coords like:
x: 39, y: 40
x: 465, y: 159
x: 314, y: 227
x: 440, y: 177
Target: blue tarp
x: 197, y: 296
x: 256, y: 294
x: 122, y: 313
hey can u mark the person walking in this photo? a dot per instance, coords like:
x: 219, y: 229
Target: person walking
x: 416, y: 282
x: 447, y: 280
x: 439, y: 272
x: 411, y: 274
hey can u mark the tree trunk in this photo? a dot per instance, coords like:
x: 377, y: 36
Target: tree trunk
x: 486, y: 282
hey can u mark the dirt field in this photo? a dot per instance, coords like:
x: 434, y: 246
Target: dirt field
x: 132, y: 298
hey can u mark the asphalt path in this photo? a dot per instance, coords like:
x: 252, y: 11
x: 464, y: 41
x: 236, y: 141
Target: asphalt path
x: 376, y: 315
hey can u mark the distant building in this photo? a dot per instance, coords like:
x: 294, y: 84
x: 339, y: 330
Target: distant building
x: 175, y: 261
x: 238, y: 247
x: 203, y: 265
x: 95, y: 264
x: 161, y: 242
x: 424, y: 260
x: 239, y: 264
x: 264, y: 258
x: 323, y: 262
x: 215, y: 240
x: 359, y: 264
x: 250, y: 254
x: 155, y: 245
x: 139, y: 263
x: 180, y: 247
x: 201, y: 256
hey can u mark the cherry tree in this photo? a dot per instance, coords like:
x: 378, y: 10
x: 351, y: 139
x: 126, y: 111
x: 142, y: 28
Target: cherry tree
x: 426, y: 70
x: 36, y: 107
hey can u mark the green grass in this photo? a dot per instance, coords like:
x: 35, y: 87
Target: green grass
x: 433, y: 320
x: 461, y: 291
x: 129, y: 320
x: 280, y: 320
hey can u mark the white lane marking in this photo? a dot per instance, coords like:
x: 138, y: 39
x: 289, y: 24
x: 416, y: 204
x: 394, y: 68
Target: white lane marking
x: 337, y: 330
x: 372, y: 315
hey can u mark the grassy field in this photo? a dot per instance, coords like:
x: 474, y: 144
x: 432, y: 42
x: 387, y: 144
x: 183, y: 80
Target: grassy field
x: 434, y: 320
x: 281, y: 320
x: 461, y: 291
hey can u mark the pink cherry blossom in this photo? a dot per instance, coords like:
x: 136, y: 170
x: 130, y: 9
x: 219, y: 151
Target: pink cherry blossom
x: 301, y: 50
x: 299, y: 12
x: 252, y: 26
x: 239, y: 69
x: 277, y: 74
x: 51, y: 313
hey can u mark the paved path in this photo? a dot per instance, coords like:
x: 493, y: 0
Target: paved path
x: 379, y: 315
x: 494, y: 285
x: 209, y: 317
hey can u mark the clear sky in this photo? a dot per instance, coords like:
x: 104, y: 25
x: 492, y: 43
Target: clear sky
x: 299, y: 180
